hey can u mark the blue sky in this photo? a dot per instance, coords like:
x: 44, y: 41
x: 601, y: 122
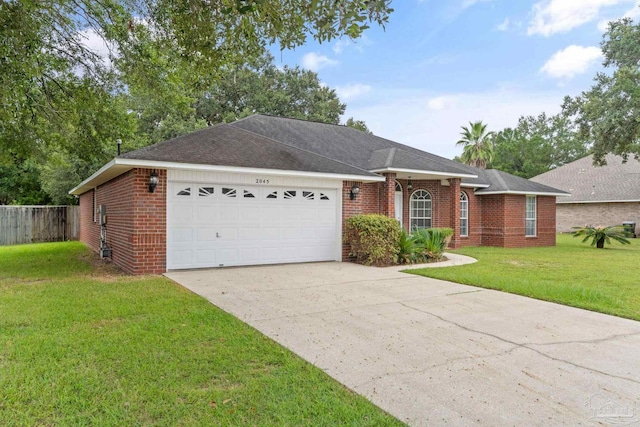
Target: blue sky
x: 442, y: 63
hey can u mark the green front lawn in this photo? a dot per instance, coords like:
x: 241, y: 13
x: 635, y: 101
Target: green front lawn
x: 571, y: 273
x: 81, y: 344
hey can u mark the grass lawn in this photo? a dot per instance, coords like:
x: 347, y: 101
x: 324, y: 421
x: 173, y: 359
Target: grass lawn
x: 81, y: 344
x: 571, y: 273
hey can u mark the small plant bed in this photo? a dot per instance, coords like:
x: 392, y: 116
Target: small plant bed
x: 571, y: 273
x: 81, y: 344
x: 381, y: 241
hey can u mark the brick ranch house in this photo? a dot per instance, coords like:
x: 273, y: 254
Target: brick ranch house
x: 266, y: 190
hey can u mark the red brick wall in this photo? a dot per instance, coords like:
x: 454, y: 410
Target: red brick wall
x: 503, y: 221
x: 136, y: 221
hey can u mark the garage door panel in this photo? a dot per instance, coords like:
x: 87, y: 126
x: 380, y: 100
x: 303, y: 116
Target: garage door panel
x: 205, y: 257
x: 213, y: 225
x: 206, y: 213
x: 182, y: 213
x: 205, y: 234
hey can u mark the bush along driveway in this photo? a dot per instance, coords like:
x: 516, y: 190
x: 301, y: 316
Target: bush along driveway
x: 84, y: 345
x: 432, y: 352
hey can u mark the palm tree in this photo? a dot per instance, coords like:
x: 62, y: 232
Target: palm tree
x: 477, y: 145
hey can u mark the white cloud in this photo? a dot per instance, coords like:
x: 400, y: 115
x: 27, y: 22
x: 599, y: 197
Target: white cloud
x: 338, y: 47
x: 633, y: 13
x: 571, y: 61
x: 405, y: 116
x: 313, y: 61
x: 504, y: 26
x: 352, y: 91
x: 440, y: 103
x: 560, y: 16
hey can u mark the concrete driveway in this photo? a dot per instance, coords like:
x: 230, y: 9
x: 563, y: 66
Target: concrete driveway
x: 432, y: 352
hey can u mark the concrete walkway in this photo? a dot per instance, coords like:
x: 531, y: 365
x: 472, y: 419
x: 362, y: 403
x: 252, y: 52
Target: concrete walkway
x: 437, y: 353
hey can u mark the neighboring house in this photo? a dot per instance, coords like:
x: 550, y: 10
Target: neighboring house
x: 600, y: 195
x: 266, y: 190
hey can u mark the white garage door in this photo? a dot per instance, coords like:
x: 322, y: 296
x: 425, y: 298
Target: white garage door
x: 211, y: 225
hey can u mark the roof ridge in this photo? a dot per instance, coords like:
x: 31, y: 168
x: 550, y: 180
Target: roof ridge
x: 303, y: 150
x: 390, y: 156
x: 499, y: 177
x: 297, y: 119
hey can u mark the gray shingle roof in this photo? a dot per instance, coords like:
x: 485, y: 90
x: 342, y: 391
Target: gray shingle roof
x: 502, y: 182
x: 587, y: 183
x: 401, y: 159
x: 351, y: 146
x: 231, y: 146
x: 269, y: 142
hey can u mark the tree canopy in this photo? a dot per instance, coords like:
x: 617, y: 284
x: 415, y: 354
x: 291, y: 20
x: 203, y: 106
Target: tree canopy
x: 608, y: 114
x: 537, y: 145
x: 64, y: 105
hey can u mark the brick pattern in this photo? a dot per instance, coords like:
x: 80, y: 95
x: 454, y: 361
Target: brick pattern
x: 136, y: 221
x: 607, y: 214
x: 503, y: 221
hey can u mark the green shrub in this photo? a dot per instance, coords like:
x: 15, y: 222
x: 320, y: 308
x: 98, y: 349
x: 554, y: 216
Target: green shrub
x: 601, y: 235
x: 373, y: 239
x: 431, y: 242
x: 407, y: 248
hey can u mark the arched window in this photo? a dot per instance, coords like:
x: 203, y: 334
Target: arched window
x: 420, y: 210
x: 464, y: 214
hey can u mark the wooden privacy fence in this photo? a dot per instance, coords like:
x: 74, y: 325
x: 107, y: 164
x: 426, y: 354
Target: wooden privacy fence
x: 32, y: 224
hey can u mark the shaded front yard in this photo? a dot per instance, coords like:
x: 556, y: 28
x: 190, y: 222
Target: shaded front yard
x: 572, y: 273
x: 84, y: 345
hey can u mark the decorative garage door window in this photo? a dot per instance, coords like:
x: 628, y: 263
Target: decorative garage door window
x: 420, y: 210
x: 289, y: 194
x: 185, y: 192
x: 229, y: 192
x: 273, y: 195
x: 248, y: 195
x: 308, y: 195
x: 324, y: 196
x: 205, y: 191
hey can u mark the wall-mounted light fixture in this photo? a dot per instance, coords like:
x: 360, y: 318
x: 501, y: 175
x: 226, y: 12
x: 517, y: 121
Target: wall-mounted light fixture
x: 354, y: 191
x: 409, y: 184
x: 153, y: 181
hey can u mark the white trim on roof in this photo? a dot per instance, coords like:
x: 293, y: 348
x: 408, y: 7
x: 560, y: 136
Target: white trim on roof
x: 567, y: 202
x: 525, y: 193
x: 120, y: 165
x: 468, y: 185
x: 424, y: 172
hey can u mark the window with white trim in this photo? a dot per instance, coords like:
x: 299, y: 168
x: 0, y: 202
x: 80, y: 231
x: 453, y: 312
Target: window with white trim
x: 464, y: 214
x: 530, y: 217
x: 420, y: 215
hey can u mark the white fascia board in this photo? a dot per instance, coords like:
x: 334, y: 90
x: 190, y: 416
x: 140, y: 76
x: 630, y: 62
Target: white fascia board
x: 567, y: 202
x: 96, y: 174
x: 424, y: 172
x: 524, y: 193
x: 216, y: 168
x: 128, y: 164
x: 466, y: 185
